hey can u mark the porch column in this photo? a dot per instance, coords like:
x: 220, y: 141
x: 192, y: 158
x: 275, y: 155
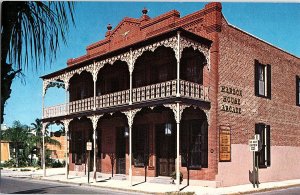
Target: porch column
x: 178, y: 64
x: 130, y: 116
x: 95, y: 80
x: 66, y: 82
x: 177, y: 110
x: 45, y: 86
x: 177, y: 148
x: 43, y: 148
x: 66, y: 125
x: 130, y: 153
x: 130, y: 77
x: 94, y: 120
x: 43, y: 103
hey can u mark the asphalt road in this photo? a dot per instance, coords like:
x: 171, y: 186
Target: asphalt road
x: 29, y: 186
x: 288, y: 191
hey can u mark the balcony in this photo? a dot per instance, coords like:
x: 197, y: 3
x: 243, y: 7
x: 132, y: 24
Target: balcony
x: 152, y: 92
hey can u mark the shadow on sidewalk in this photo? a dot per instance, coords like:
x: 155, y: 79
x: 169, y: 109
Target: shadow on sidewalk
x: 138, y: 183
x: 104, y: 180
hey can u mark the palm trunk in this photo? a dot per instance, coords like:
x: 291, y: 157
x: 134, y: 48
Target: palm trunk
x: 8, y: 74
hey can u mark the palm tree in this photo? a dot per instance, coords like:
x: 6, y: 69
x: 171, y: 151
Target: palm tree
x: 30, y: 30
x: 18, y: 136
x: 38, y: 139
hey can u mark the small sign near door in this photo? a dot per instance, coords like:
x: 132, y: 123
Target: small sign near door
x: 225, y: 144
x: 88, y: 145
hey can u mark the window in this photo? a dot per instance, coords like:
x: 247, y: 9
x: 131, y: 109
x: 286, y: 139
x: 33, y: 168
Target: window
x: 140, y: 145
x: 194, y: 144
x: 78, y: 147
x: 262, y: 80
x: 297, y: 90
x: 264, y: 155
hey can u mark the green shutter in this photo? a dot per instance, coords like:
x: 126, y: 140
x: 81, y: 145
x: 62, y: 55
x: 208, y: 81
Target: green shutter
x: 256, y: 77
x: 268, y: 134
x: 269, y: 74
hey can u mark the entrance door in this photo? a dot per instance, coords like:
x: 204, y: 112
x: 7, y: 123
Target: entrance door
x: 120, y: 151
x: 165, y: 150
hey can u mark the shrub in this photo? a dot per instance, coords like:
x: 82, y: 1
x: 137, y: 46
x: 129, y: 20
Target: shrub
x: 25, y: 169
x: 57, y: 163
x: 9, y: 163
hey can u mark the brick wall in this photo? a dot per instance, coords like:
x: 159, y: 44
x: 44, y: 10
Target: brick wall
x: 238, y: 50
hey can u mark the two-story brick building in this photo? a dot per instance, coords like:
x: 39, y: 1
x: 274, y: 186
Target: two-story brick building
x: 181, y: 94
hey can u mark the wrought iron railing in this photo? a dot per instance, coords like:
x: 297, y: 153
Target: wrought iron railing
x: 157, y: 91
x: 54, y: 111
x: 81, y: 105
x: 194, y: 90
x: 113, y: 99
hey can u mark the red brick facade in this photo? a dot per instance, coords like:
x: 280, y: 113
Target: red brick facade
x: 231, y: 65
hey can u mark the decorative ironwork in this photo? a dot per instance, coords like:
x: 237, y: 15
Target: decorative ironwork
x: 44, y: 126
x: 114, y: 99
x: 170, y: 42
x: 207, y: 113
x: 81, y: 105
x: 66, y: 123
x: 130, y: 115
x: 53, y: 111
x: 185, y: 42
x: 194, y: 90
x: 173, y: 107
x: 94, y: 120
x: 157, y: 91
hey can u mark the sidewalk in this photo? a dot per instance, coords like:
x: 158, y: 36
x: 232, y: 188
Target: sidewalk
x: 57, y: 174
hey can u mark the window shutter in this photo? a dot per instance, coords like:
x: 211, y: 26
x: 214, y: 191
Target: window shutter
x: 256, y: 77
x: 259, y: 129
x: 269, y: 81
x: 268, y: 134
x: 297, y: 91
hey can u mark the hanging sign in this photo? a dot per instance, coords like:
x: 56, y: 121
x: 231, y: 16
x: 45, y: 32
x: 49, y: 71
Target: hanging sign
x: 88, y: 145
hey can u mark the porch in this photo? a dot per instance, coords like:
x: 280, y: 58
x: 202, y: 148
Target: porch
x: 168, y: 72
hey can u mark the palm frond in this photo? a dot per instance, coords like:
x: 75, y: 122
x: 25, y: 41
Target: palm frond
x: 36, y: 30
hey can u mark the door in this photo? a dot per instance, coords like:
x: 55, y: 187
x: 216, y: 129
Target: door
x: 165, y: 150
x: 120, y: 151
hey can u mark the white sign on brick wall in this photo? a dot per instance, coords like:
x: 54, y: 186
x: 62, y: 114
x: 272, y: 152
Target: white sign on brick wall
x: 253, y: 145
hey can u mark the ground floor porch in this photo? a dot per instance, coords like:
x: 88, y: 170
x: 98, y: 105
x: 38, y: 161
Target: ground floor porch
x: 154, y: 144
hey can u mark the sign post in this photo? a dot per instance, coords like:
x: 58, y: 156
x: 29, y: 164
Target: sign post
x: 88, y: 148
x: 254, y: 147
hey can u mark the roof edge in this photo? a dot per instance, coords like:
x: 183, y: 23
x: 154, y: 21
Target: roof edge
x: 135, y: 45
x: 276, y: 47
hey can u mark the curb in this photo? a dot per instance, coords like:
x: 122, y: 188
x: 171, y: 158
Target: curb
x: 145, y: 192
x: 91, y: 185
x: 265, y: 189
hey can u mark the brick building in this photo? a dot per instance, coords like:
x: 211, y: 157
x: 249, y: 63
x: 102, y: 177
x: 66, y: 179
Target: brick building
x: 168, y: 94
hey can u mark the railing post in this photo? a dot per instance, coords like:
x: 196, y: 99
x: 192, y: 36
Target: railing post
x: 178, y: 64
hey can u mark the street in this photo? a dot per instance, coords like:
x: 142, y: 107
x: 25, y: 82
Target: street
x: 29, y: 186
x: 290, y: 191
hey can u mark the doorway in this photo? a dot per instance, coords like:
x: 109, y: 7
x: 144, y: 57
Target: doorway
x: 165, y: 149
x: 120, y: 151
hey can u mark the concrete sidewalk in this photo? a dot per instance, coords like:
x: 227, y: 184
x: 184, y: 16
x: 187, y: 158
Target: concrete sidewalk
x: 104, y: 181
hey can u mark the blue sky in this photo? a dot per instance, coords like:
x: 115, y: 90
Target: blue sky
x: 276, y: 23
